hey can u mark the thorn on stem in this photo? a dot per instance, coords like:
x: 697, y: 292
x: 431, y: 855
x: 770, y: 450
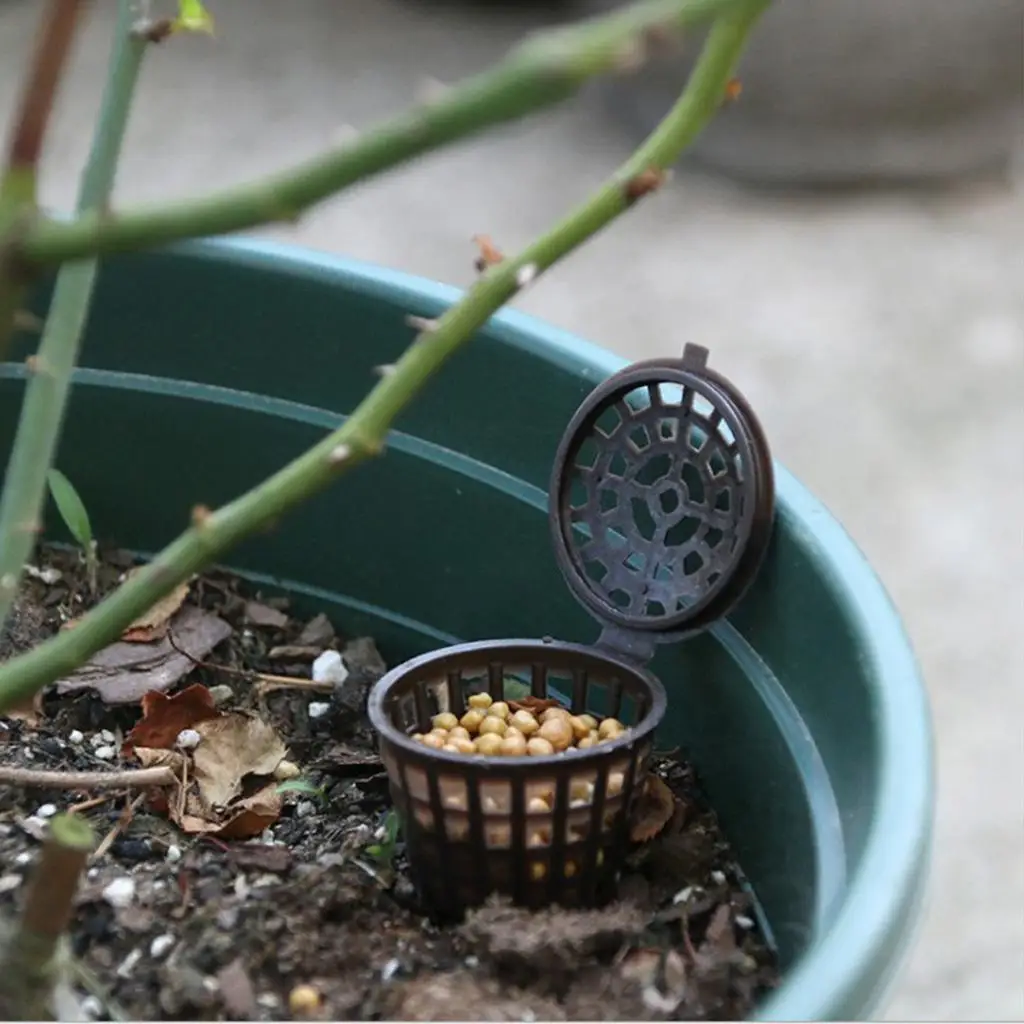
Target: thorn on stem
x: 25, y: 320
x: 339, y: 453
x: 153, y: 30
x: 525, y: 275
x: 384, y: 370
x: 665, y: 38
x: 733, y: 90
x: 430, y: 89
x: 200, y: 516
x: 649, y: 180
x: 421, y: 323
x: 490, y: 254
x: 631, y: 57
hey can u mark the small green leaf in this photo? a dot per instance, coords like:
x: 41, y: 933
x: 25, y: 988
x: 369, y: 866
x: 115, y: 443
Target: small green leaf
x: 71, y: 507
x: 193, y: 17
x: 300, y: 786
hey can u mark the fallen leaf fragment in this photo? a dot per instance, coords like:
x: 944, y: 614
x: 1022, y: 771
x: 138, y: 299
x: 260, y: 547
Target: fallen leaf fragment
x: 236, y: 991
x: 164, y: 717
x: 124, y: 671
x: 247, y: 818
x: 153, y: 624
x: 262, y: 615
x: 318, y: 632
x: 231, y: 747
x: 30, y: 711
x: 535, y: 705
x: 652, y: 811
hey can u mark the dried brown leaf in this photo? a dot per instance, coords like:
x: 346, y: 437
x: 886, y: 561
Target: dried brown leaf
x: 150, y: 757
x: 123, y: 672
x: 30, y: 711
x: 164, y: 717
x: 248, y: 818
x: 231, y: 747
x: 153, y: 624
x: 652, y: 811
x: 535, y: 705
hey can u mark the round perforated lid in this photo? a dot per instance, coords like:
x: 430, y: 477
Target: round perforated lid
x: 662, y: 497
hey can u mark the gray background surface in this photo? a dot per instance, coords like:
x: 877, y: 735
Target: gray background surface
x: 880, y: 336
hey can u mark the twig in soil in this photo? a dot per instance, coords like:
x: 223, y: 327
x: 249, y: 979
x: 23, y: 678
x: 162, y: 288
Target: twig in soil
x: 131, y: 778
x: 88, y: 805
x: 122, y: 823
x: 28, y: 965
x: 265, y: 682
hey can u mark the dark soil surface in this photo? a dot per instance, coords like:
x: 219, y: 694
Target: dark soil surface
x: 315, y: 917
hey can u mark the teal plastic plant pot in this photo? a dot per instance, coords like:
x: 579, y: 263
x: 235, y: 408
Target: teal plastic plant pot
x: 209, y: 365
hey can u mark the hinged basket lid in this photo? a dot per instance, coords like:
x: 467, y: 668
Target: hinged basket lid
x: 662, y: 498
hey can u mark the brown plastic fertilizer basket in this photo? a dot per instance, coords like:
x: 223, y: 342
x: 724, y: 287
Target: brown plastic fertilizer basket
x: 661, y: 508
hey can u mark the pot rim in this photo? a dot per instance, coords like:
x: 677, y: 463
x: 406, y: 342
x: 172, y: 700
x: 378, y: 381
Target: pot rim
x: 867, y: 935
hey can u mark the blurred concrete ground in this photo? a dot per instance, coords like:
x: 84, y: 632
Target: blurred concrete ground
x: 880, y: 336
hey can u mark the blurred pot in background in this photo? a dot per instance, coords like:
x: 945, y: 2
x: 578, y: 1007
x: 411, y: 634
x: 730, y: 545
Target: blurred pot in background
x: 840, y: 92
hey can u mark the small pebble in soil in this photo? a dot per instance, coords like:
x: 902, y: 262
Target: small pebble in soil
x: 135, y: 850
x: 8, y: 883
x: 160, y: 945
x: 188, y: 739
x: 35, y: 826
x: 120, y: 892
x: 23, y: 858
x: 318, y: 708
x: 718, y: 877
x: 330, y: 668
x: 286, y: 770
x: 106, y: 736
x: 303, y: 1000
x: 75, y: 736
x: 105, y: 753
x: 92, y: 1008
x: 304, y: 808
x: 46, y: 810
x: 173, y: 854
x: 128, y: 964
x: 390, y: 969
x: 221, y: 694
x: 744, y: 922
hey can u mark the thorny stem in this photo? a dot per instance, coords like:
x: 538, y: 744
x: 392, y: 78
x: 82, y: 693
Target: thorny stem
x: 20, y: 173
x: 363, y: 434
x: 42, y: 412
x: 27, y: 963
x: 540, y: 72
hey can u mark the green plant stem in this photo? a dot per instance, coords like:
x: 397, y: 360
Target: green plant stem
x: 42, y: 411
x: 363, y: 434
x: 539, y: 72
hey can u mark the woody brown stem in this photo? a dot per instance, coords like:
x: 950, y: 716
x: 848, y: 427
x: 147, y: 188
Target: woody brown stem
x: 53, y: 46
